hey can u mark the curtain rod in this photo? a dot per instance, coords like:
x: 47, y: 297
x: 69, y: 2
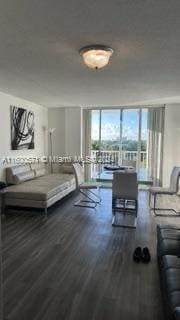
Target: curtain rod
x: 129, y: 107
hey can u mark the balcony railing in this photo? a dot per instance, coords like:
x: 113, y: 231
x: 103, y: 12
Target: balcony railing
x: 129, y: 158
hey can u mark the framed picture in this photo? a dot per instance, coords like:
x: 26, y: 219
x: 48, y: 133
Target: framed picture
x: 22, y: 128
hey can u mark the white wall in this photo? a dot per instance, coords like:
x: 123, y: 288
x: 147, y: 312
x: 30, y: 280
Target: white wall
x: 41, y: 120
x: 171, y: 141
x: 67, y: 136
x: 73, y: 131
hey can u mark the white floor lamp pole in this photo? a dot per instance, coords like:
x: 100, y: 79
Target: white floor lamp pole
x: 51, y: 130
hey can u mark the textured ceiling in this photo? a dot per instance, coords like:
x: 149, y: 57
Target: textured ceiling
x: 40, y: 39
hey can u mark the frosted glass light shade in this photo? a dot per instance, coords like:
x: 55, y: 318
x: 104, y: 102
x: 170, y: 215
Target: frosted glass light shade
x: 97, y: 56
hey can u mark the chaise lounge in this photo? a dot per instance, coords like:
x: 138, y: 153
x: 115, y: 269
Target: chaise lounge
x: 31, y: 186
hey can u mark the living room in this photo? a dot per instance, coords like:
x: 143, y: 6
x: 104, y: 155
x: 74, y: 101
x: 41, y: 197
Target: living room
x: 67, y: 253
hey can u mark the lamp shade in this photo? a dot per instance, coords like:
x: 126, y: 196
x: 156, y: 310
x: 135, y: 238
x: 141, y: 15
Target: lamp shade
x: 51, y: 130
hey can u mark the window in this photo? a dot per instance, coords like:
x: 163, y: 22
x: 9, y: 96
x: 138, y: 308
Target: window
x: 120, y: 137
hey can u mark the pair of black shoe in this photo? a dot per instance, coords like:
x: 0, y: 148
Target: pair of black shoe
x: 141, y: 255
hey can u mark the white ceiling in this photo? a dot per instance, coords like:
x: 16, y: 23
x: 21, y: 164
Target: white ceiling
x: 40, y: 39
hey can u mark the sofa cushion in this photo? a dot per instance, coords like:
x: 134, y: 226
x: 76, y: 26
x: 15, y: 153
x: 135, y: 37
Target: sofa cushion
x: 170, y: 234
x: 174, y: 300
x: 39, y: 169
x: 40, y: 172
x: 169, y: 261
x: 24, y: 176
x: 168, y: 227
x: 13, y: 171
x: 41, y: 188
x: 172, y: 277
x: 169, y: 247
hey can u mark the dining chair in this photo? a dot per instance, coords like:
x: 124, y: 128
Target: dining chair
x: 90, y: 198
x: 124, y: 194
x: 171, y: 190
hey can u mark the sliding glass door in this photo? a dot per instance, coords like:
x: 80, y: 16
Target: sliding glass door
x: 110, y: 136
x: 130, y: 137
x: 119, y: 137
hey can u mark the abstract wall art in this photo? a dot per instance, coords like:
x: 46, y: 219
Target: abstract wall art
x: 22, y: 128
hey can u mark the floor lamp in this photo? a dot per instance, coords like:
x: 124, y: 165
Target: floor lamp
x: 51, y: 130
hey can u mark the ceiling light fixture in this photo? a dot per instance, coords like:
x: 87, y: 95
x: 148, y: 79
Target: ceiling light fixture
x: 96, y: 56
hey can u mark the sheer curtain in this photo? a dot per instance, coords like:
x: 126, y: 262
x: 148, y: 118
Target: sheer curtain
x: 155, y: 143
x: 87, y: 141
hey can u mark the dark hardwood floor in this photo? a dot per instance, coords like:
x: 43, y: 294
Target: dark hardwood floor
x: 76, y: 266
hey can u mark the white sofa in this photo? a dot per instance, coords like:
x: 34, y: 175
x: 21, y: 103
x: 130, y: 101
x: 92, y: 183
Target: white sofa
x: 31, y: 186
